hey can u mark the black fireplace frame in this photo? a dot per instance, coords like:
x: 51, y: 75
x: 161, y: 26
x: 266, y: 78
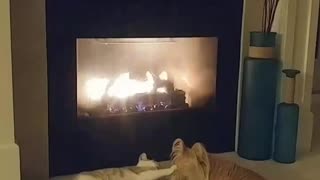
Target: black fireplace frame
x: 72, y: 19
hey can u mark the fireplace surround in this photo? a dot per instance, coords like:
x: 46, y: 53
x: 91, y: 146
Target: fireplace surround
x: 79, y: 143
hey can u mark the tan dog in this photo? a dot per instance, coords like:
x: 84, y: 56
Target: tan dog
x: 196, y: 164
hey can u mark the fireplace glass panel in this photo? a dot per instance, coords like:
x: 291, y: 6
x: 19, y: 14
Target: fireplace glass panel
x: 139, y: 75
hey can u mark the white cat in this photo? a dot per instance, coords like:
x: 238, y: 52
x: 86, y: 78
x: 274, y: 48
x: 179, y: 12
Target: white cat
x: 145, y: 170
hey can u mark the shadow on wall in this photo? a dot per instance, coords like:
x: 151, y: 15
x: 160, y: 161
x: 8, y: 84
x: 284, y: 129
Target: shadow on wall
x: 316, y: 77
x: 316, y: 106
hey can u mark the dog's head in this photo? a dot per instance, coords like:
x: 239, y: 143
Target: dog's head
x: 192, y: 163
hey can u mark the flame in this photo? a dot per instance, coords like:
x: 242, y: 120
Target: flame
x: 162, y: 90
x: 163, y: 75
x: 96, y: 87
x: 185, y: 80
x: 124, y: 87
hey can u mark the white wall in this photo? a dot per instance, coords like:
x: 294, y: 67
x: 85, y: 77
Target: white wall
x: 303, y: 59
x: 29, y: 63
x: 9, y: 151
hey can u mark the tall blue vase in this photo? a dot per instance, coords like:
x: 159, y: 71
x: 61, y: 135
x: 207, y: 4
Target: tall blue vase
x: 258, y: 98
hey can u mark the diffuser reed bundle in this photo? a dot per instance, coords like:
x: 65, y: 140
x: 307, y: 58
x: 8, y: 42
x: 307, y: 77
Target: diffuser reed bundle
x: 269, y: 12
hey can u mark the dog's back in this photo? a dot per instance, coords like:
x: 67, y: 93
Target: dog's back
x: 226, y: 170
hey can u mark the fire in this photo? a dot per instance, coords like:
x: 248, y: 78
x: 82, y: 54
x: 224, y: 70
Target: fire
x: 163, y: 75
x: 96, y: 87
x: 123, y: 86
x: 162, y: 90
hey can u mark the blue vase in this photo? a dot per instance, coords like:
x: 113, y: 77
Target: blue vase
x: 258, y: 98
x: 287, y: 123
x: 257, y: 109
x: 286, y: 133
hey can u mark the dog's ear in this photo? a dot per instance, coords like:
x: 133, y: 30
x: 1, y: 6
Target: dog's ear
x: 177, y: 149
x: 203, y: 158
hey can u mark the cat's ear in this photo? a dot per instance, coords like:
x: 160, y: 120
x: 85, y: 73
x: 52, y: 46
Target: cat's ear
x: 143, y: 157
x: 145, y: 162
x: 202, y: 157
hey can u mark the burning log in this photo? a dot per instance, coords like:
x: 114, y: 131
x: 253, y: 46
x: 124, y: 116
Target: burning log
x: 147, y: 102
x: 167, y: 85
x: 153, y: 94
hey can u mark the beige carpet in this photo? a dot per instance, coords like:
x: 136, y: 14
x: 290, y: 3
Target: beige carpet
x: 307, y: 167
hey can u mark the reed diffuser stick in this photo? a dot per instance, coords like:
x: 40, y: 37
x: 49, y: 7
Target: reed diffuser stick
x: 276, y: 3
x: 269, y: 12
x: 264, y: 16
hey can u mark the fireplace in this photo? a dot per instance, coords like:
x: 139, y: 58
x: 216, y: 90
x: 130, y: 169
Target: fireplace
x: 123, y: 76
x: 126, y: 78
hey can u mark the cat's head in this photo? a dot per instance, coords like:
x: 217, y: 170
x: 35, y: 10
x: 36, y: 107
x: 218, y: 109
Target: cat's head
x: 145, y: 162
x: 192, y: 163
